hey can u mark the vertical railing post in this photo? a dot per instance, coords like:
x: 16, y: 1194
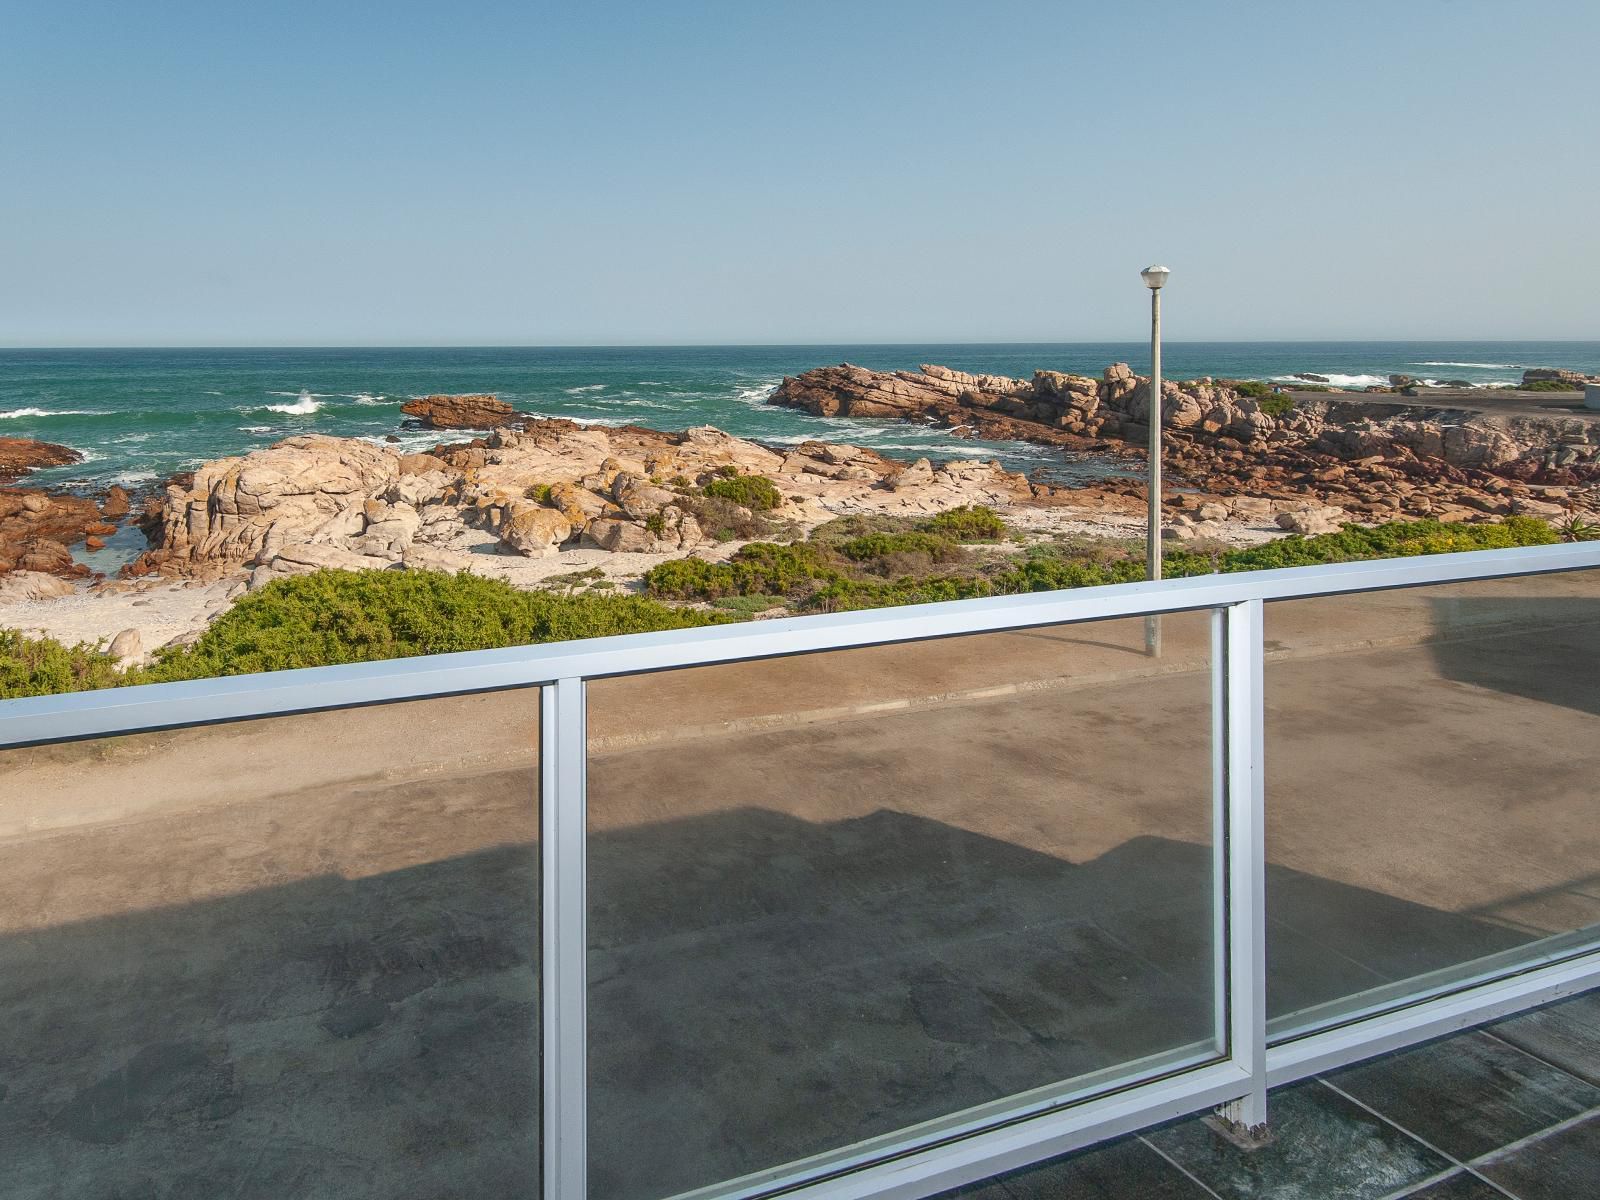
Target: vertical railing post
x: 563, y: 750
x: 1247, y: 934
x: 1220, y: 958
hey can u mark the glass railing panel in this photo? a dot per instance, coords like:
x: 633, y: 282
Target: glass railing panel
x: 1431, y: 814
x: 836, y: 896
x: 295, y: 956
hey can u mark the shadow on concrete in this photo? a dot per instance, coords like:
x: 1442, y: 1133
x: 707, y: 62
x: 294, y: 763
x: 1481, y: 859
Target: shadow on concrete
x: 762, y: 988
x: 1548, y: 652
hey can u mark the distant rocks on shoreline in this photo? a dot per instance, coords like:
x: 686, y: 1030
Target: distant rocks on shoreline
x: 1377, y: 462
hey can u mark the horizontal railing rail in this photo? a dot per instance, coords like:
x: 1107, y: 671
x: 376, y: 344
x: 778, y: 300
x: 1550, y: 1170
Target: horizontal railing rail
x: 1004, y: 1134
x: 236, y: 697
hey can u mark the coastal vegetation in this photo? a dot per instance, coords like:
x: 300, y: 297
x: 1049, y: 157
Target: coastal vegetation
x: 843, y: 566
x: 330, y: 617
x: 755, y: 492
x: 335, y: 616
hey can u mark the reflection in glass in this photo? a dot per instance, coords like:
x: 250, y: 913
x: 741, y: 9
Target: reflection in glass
x: 1431, y: 758
x: 286, y: 957
x: 835, y: 896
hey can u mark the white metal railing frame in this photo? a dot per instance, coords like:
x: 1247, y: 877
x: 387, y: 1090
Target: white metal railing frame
x: 1237, y: 1082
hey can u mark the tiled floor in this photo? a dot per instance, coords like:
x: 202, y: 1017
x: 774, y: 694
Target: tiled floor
x: 1510, y: 1110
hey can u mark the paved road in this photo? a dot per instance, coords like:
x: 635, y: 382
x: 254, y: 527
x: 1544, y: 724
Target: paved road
x: 830, y: 896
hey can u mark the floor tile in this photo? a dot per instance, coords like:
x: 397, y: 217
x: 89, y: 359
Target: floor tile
x: 1460, y: 1186
x: 1566, y: 1034
x: 1562, y: 1166
x: 1469, y: 1094
x: 1123, y: 1170
x: 1323, y: 1146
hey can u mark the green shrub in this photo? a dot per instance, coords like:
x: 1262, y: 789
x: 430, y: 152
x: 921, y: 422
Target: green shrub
x: 1276, y: 406
x: 725, y: 521
x: 1253, y: 388
x: 1547, y: 385
x: 748, y: 606
x: 363, y: 616
x: 755, y: 492
x: 846, y: 594
x: 759, y: 569
x: 1052, y: 572
x: 969, y: 523
x: 882, y: 545
x: 43, y: 667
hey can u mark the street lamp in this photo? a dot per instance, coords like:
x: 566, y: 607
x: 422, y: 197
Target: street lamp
x: 1154, y: 278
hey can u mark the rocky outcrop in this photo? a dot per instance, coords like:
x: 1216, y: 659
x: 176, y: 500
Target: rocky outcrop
x: 240, y: 510
x: 17, y: 586
x: 1371, y: 461
x: 1575, y: 380
x: 315, y: 502
x: 37, y: 530
x: 18, y: 456
x: 459, y: 412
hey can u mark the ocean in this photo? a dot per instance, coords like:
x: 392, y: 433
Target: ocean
x: 139, y: 415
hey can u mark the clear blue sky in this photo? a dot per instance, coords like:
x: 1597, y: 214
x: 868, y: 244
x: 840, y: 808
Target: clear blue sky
x: 476, y: 172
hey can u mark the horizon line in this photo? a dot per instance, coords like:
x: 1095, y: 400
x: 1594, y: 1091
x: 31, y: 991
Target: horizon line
x: 787, y: 345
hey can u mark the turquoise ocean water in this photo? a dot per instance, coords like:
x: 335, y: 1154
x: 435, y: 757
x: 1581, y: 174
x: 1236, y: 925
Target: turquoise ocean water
x: 138, y: 415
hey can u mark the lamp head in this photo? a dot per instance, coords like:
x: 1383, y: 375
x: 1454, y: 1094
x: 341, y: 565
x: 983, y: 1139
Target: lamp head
x: 1154, y: 277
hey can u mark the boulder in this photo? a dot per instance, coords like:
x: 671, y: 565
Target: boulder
x: 127, y: 647
x: 300, y: 557
x: 477, y: 411
x: 533, y: 530
x: 617, y: 535
x: 1309, y: 522
x: 638, y: 497
x: 17, y: 586
x: 117, y: 503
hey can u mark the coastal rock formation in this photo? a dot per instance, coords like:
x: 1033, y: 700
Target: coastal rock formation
x: 1575, y: 380
x: 314, y: 502
x: 37, y: 529
x: 1373, y: 461
x: 18, y: 586
x: 459, y: 412
x: 18, y: 456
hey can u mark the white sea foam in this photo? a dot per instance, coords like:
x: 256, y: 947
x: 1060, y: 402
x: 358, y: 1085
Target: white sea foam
x: 16, y: 413
x: 255, y: 429
x: 303, y: 393
x: 1338, y: 381
x: 410, y: 441
x: 588, y: 387
x: 127, y: 477
x: 303, y: 407
x: 1479, y: 366
x: 757, y: 395
x: 367, y: 398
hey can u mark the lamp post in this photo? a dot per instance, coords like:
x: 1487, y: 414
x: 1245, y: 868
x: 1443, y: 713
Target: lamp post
x: 1154, y: 278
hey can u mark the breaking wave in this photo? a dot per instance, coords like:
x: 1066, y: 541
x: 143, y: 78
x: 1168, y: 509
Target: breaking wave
x: 1479, y: 366
x: 15, y: 413
x: 303, y: 407
x: 1338, y: 381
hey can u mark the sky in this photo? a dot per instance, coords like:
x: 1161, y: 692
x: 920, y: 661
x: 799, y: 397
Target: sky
x: 794, y: 171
